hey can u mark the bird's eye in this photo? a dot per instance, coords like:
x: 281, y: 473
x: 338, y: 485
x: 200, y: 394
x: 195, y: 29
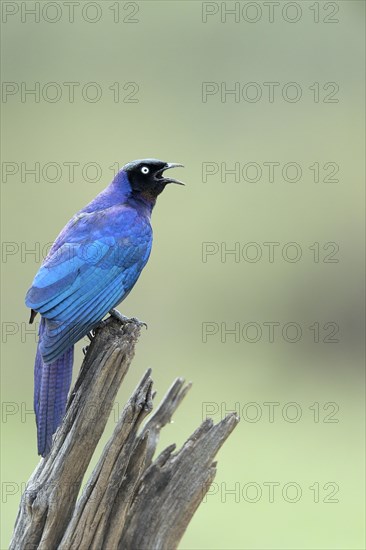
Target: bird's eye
x: 145, y: 170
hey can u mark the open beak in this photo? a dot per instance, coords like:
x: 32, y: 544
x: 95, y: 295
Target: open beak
x: 168, y: 166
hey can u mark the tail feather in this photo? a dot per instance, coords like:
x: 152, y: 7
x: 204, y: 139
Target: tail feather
x: 63, y: 382
x: 51, y: 385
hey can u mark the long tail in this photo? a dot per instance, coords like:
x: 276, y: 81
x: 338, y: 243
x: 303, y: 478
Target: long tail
x: 51, y: 386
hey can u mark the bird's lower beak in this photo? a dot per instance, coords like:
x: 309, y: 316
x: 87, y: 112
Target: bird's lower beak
x: 168, y: 166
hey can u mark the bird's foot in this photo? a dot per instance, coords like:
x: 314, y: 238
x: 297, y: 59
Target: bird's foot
x: 85, y: 350
x: 117, y: 315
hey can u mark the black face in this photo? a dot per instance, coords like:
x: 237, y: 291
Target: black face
x: 146, y: 177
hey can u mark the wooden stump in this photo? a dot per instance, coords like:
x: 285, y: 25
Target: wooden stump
x: 130, y: 501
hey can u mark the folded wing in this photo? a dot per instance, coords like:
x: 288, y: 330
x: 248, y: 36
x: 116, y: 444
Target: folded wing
x: 93, y: 267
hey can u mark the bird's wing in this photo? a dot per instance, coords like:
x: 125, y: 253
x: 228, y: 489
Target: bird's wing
x: 97, y: 263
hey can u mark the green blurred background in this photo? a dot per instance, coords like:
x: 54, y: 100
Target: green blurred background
x: 169, y: 51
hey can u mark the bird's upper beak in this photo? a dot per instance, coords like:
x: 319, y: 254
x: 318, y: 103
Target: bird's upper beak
x: 168, y: 166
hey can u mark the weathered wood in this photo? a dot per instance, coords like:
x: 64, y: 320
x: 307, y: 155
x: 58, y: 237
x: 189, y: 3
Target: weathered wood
x: 172, y: 488
x: 129, y: 501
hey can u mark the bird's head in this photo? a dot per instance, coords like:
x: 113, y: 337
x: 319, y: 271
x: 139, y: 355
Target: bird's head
x: 147, y: 179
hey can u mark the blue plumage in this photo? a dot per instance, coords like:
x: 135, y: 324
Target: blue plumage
x: 90, y: 269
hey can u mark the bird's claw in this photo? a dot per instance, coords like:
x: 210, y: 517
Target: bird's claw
x: 85, y: 350
x: 123, y: 319
x: 137, y: 322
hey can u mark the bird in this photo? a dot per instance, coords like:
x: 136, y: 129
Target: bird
x: 91, y: 267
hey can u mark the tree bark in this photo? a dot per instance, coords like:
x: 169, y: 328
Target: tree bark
x: 129, y: 501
